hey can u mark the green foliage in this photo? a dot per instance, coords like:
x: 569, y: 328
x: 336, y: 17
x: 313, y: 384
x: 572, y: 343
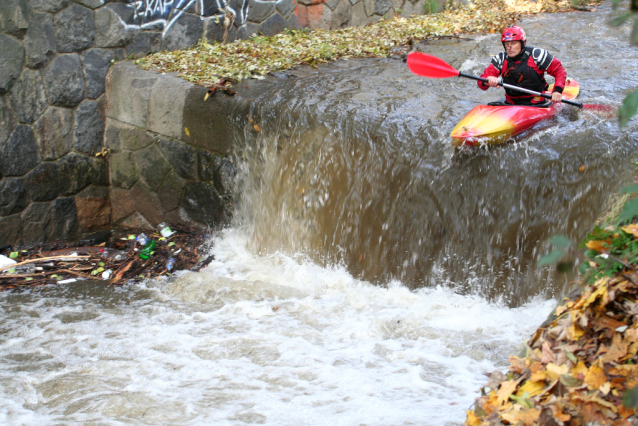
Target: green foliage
x: 610, y: 251
x: 628, y: 108
x: 430, y: 6
x: 552, y: 258
x: 631, y: 398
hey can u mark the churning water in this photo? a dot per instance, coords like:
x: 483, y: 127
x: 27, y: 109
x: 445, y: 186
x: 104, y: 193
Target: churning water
x: 373, y: 275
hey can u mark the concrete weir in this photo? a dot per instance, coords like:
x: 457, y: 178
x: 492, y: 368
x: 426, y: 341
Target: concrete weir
x: 169, y: 149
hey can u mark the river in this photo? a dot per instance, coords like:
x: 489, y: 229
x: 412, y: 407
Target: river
x: 373, y: 274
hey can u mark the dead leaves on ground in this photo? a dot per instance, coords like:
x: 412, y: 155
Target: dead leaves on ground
x: 258, y: 56
x: 576, y: 369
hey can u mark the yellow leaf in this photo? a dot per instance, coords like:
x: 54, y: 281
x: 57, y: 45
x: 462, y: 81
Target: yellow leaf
x: 506, y: 389
x: 595, y: 377
x: 604, y: 389
x: 206, y: 96
x: 579, y: 370
x: 186, y: 131
x: 532, y: 388
x: 554, y: 371
x: 600, y: 290
x: 631, y: 229
x: 472, y: 419
x: 256, y: 126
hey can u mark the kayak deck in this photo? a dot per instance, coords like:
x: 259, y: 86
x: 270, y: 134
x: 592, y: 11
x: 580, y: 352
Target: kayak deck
x: 491, y: 125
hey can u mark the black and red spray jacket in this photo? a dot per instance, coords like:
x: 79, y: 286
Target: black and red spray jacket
x: 526, y: 70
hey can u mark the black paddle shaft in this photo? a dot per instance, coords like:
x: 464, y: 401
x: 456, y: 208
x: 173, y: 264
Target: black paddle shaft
x: 519, y: 89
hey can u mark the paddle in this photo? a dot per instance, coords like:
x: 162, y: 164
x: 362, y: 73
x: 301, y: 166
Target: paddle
x: 430, y: 66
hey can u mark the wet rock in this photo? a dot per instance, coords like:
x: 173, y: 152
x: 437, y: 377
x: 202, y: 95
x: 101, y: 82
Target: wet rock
x: 64, y: 81
x: 341, y: 14
x: 96, y: 65
x: 184, y: 32
x: 170, y: 193
x: 143, y: 43
x: 286, y: 7
x: 122, y: 205
x: 214, y: 31
x: 247, y: 30
x: 93, y: 4
x: 111, y: 29
x: 134, y: 139
x: 147, y: 203
x: 202, y: 203
x: 64, y: 218
x: 166, y: 106
x: 7, y: 121
x: 182, y: 157
x: 11, y: 230
x: 42, y: 182
x: 99, y: 171
x: 129, y: 93
x: 152, y: 166
x: 13, y: 196
x: 53, y: 132
x: 36, y: 223
x: 11, y: 61
x: 52, y: 6
x: 14, y: 17
x: 273, y: 25
x: 28, y: 98
x: 205, y: 165
x: 123, y: 169
x: 74, y: 29
x: 292, y: 22
x: 88, y: 129
x: 225, y: 175
x: 93, y: 208
x: 137, y: 221
x: 259, y: 11
x: 382, y: 6
x: 39, y: 43
x: 75, y: 173
x: 20, y: 153
x: 112, y: 136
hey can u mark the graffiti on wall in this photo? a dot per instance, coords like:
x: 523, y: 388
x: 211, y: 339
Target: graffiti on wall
x: 162, y: 14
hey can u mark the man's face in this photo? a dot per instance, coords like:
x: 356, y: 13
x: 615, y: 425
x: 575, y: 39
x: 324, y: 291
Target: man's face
x: 513, y: 48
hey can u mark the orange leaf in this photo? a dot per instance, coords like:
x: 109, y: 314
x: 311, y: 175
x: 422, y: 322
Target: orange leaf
x: 598, y: 246
x: 256, y: 126
x: 595, y: 377
x: 617, y: 350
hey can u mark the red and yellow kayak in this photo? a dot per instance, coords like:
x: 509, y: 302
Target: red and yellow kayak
x: 491, y: 125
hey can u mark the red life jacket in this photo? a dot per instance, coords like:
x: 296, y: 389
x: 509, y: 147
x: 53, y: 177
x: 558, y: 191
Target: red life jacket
x: 528, y: 72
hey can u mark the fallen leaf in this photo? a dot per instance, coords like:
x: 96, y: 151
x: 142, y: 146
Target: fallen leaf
x: 506, y: 389
x: 595, y: 377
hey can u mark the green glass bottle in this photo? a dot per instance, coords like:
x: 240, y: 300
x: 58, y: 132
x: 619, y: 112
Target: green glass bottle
x: 148, y: 250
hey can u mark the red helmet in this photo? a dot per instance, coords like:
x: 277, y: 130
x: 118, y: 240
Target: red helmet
x: 514, y: 33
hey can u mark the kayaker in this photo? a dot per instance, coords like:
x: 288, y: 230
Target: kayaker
x: 524, y: 66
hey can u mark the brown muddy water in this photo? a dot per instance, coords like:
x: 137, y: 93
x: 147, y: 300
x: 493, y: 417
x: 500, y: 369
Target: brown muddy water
x: 373, y: 275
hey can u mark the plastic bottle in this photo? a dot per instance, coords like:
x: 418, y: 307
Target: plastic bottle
x: 170, y: 263
x: 142, y: 239
x: 148, y: 249
x: 164, y: 230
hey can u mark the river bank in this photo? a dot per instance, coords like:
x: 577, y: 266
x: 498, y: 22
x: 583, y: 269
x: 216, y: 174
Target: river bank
x: 209, y: 64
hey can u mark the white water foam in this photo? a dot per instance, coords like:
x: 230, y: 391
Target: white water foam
x: 254, y: 339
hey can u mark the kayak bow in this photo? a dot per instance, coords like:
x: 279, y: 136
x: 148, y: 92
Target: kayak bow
x: 491, y: 125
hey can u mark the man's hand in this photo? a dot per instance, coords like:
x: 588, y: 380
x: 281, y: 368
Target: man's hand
x: 492, y: 81
x: 557, y: 97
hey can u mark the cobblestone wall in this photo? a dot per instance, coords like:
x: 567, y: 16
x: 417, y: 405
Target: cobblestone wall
x: 54, y: 57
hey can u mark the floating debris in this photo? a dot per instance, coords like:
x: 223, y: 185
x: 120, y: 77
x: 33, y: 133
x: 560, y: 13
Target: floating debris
x: 119, y: 258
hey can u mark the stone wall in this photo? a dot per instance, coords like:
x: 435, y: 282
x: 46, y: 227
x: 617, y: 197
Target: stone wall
x: 169, y: 150
x: 54, y: 57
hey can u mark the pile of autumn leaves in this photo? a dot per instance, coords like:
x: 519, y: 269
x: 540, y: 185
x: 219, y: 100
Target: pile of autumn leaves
x: 577, y: 368
x: 207, y: 63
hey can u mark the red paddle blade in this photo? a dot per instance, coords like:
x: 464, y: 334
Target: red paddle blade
x: 607, y: 111
x: 430, y: 66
